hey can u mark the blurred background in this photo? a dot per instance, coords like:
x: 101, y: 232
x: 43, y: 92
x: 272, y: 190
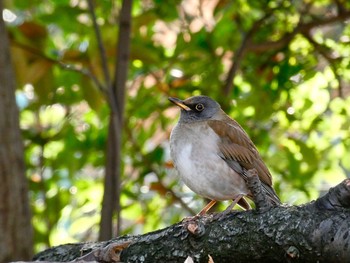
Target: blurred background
x: 280, y: 68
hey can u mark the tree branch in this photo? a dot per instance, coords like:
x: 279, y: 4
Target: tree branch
x: 107, y: 87
x: 102, y: 51
x: 63, y: 65
x: 324, y: 52
x: 238, y: 55
x: 315, y: 232
x: 111, y: 195
x: 301, y: 28
x: 147, y: 162
x: 248, y: 45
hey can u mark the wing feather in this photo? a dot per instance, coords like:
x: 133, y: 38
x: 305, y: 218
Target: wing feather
x: 240, y: 153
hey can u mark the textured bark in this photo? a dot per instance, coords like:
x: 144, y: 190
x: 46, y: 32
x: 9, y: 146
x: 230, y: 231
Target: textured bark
x: 15, y: 226
x: 315, y: 232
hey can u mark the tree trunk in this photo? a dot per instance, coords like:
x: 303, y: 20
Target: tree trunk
x: 315, y: 232
x: 111, y: 196
x: 15, y: 217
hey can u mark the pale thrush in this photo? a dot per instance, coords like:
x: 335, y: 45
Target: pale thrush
x: 212, y: 154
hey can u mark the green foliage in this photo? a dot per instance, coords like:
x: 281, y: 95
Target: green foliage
x: 293, y: 99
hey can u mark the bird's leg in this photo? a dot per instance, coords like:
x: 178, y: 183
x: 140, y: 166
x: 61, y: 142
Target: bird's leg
x: 229, y: 208
x: 207, y: 208
x: 232, y: 205
x: 201, y: 213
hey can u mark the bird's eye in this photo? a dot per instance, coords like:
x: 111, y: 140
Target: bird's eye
x: 199, y: 107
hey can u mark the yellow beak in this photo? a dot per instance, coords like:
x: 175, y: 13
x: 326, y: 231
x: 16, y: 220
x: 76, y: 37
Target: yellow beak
x: 179, y: 103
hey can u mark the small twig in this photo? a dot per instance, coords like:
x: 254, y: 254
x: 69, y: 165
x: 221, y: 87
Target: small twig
x: 70, y: 67
x: 147, y: 161
x: 102, y: 51
x: 85, y: 72
x: 302, y: 27
x: 324, y: 53
x: 175, y: 197
x: 238, y: 55
x: 248, y: 45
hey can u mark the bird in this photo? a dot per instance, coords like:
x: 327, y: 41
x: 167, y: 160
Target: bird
x: 212, y: 154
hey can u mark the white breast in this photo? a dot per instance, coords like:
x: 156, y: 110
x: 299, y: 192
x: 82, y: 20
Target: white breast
x: 197, y: 158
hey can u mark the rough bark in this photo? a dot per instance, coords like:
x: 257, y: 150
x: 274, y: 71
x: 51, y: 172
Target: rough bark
x: 315, y: 232
x: 14, y: 206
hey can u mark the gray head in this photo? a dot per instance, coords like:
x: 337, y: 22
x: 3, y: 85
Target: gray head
x: 197, y: 108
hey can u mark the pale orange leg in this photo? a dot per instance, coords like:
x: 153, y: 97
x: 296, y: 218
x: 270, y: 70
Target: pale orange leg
x: 207, y: 208
x: 232, y: 205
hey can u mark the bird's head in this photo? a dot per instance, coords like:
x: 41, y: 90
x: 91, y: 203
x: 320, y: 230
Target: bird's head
x: 197, y: 108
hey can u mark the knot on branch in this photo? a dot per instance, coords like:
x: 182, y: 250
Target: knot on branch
x: 195, y: 226
x: 292, y: 252
x: 337, y: 198
x: 109, y: 253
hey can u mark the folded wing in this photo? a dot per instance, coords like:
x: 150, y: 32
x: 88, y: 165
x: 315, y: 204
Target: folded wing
x: 239, y: 152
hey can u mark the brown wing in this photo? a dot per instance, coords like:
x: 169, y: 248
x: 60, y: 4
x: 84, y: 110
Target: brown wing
x: 237, y: 146
x: 240, y: 153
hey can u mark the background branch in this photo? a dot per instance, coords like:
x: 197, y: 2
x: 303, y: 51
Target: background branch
x: 102, y: 50
x: 63, y: 65
x: 239, y: 53
x: 332, y: 61
x: 247, y: 43
x: 111, y: 196
x: 150, y: 164
x: 301, y: 28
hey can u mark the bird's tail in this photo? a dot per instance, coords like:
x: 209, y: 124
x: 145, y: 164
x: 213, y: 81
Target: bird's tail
x: 271, y: 194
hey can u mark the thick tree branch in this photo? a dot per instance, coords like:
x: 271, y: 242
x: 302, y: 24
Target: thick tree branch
x: 315, y: 232
x: 336, y: 199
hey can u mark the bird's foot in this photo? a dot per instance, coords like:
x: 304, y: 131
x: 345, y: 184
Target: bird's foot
x: 201, y: 213
x: 195, y: 225
x: 206, y: 208
x: 221, y: 215
x: 191, y: 218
